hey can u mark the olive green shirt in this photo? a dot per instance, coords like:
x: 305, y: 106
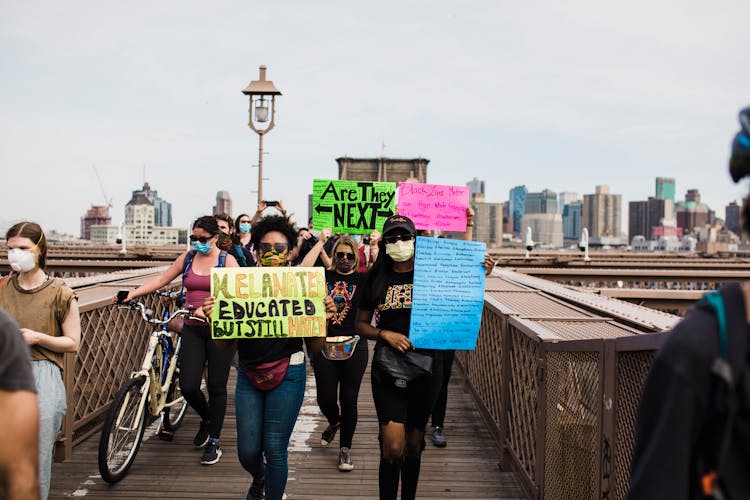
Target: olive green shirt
x: 42, y: 309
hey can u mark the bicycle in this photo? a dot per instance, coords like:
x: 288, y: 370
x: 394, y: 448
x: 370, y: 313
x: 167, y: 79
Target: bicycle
x: 150, y: 393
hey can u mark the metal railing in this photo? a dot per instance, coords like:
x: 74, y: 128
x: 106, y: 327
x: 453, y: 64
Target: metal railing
x: 112, y: 346
x: 560, y: 383
x: 556, y: 377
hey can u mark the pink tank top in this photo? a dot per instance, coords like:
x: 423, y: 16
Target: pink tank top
x: 197, y: 288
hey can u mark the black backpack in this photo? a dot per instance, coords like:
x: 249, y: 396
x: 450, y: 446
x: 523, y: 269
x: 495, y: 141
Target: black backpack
x: 727, y: 371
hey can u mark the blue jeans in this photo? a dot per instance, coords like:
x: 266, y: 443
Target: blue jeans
x: 265, y: 421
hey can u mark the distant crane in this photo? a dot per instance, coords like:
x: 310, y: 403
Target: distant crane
x: 108, y: 201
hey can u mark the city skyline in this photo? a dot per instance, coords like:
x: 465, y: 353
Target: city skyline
x: 563, y: 96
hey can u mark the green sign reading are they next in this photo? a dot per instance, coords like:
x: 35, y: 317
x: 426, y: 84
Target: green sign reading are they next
x: 354, y: 207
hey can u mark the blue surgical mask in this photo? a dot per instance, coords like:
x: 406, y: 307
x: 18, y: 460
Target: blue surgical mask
x: 203, y: 248
x: 245, y: 228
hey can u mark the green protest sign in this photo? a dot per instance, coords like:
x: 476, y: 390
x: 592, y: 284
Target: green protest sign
x: 268, y: 302
x: 354, y: 207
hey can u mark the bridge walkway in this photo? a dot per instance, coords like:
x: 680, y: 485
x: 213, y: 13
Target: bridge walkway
x: 468, y: 468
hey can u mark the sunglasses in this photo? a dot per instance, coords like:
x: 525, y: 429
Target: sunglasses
x: 393, y: 238
x: 345, y: 255
x: 278, y: 247
x: 202, y: 239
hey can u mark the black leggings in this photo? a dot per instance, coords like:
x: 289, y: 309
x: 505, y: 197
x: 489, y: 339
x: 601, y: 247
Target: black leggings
x: 197, y: 347
x: 347, y: 374
x: 438, y: 411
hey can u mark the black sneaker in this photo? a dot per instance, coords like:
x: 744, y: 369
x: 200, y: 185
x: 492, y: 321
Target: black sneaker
x: 201, y: 438
x: 327, y: 437
x: 257, y: 489
x: 345, y: 460
x: 212, y: 452
x: 166, y: 434
x: 438, y: 438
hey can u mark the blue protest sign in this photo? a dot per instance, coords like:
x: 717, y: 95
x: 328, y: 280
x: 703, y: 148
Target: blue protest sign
x: 448, y: 293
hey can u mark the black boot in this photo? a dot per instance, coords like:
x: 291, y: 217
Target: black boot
x: 410, y: 476
x: 388, y: 476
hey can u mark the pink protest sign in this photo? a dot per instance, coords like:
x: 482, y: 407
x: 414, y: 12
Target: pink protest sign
x: 432, y: 206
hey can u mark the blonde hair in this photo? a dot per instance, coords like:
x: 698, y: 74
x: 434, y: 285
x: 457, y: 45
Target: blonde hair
x: 348, y: 241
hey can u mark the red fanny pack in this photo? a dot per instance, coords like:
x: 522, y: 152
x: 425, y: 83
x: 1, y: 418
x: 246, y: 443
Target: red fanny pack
x: 267, y: 376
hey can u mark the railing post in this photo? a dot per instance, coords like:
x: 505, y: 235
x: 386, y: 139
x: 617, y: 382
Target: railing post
x: 608, y: 412
x: 505, y: 460
x: 541, y: 419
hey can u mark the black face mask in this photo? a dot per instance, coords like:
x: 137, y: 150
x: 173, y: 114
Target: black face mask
x: 224, y: 242
x: 343, y: 265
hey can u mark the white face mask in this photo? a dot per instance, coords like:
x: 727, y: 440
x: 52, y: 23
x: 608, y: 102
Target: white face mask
x: 401, y: 251
x: 21, y: 260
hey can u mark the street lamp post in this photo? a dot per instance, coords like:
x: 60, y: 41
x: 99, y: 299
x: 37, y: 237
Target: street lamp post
x: 259, y: 92
x: 122, y: 238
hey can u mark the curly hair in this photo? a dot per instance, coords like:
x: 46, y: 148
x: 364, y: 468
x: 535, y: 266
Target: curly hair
x: 274, y: 223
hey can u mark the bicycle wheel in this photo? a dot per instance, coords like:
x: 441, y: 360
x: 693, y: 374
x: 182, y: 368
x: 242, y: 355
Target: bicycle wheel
x: 173, y: 415
x: 123, y: 431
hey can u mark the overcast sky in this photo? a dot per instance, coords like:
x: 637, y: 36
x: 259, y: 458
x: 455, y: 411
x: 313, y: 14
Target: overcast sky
x: 558, y: 95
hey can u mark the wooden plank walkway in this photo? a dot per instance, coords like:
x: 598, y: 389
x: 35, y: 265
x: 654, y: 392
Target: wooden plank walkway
x: 468, y: 468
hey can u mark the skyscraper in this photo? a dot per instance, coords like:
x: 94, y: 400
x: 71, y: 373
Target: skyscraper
x: 693, y: 214
x: 572, y: 220
x: 732, y: 217
x: 546, y: 228
x: 516, y: 200
x: 540, y: 203
x: 665, y: 188
x: 488, y: 220
x: 638, y: 223
x: 644, y: 216
x: 475, y: 186
x: 96, y: 215
x: 602, y: 213
x: 162, y: 209
x: 223, y: 203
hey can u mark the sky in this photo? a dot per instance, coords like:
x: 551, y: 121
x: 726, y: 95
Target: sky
x: 550, y: 94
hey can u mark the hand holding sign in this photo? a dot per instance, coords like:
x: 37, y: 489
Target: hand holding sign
x: 432, y: 206
x: 354, y: 207
x: 448, y: 293
x: 268, y: 302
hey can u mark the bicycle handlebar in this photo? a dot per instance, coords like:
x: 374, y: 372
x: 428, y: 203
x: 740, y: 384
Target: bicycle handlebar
x: 147, y: 314
x: 170, y: 295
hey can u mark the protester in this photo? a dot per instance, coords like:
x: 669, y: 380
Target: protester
x: 266, y: 416
x: 367, y: 248
x: 337, y: 380
x: 19, y: 413
x: 47, y: 312
x: 437, y: 434
x: 403, y: 408
x: 229, y: 241
x: 243, y: 226
x: 197, y: 348
x: 693, y: 423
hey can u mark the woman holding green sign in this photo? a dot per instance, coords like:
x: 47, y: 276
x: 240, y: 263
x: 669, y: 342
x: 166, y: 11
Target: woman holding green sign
x: 270, y: 378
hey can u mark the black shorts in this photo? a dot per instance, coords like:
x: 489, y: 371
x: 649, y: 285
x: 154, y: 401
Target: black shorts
x: 410, y: 406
